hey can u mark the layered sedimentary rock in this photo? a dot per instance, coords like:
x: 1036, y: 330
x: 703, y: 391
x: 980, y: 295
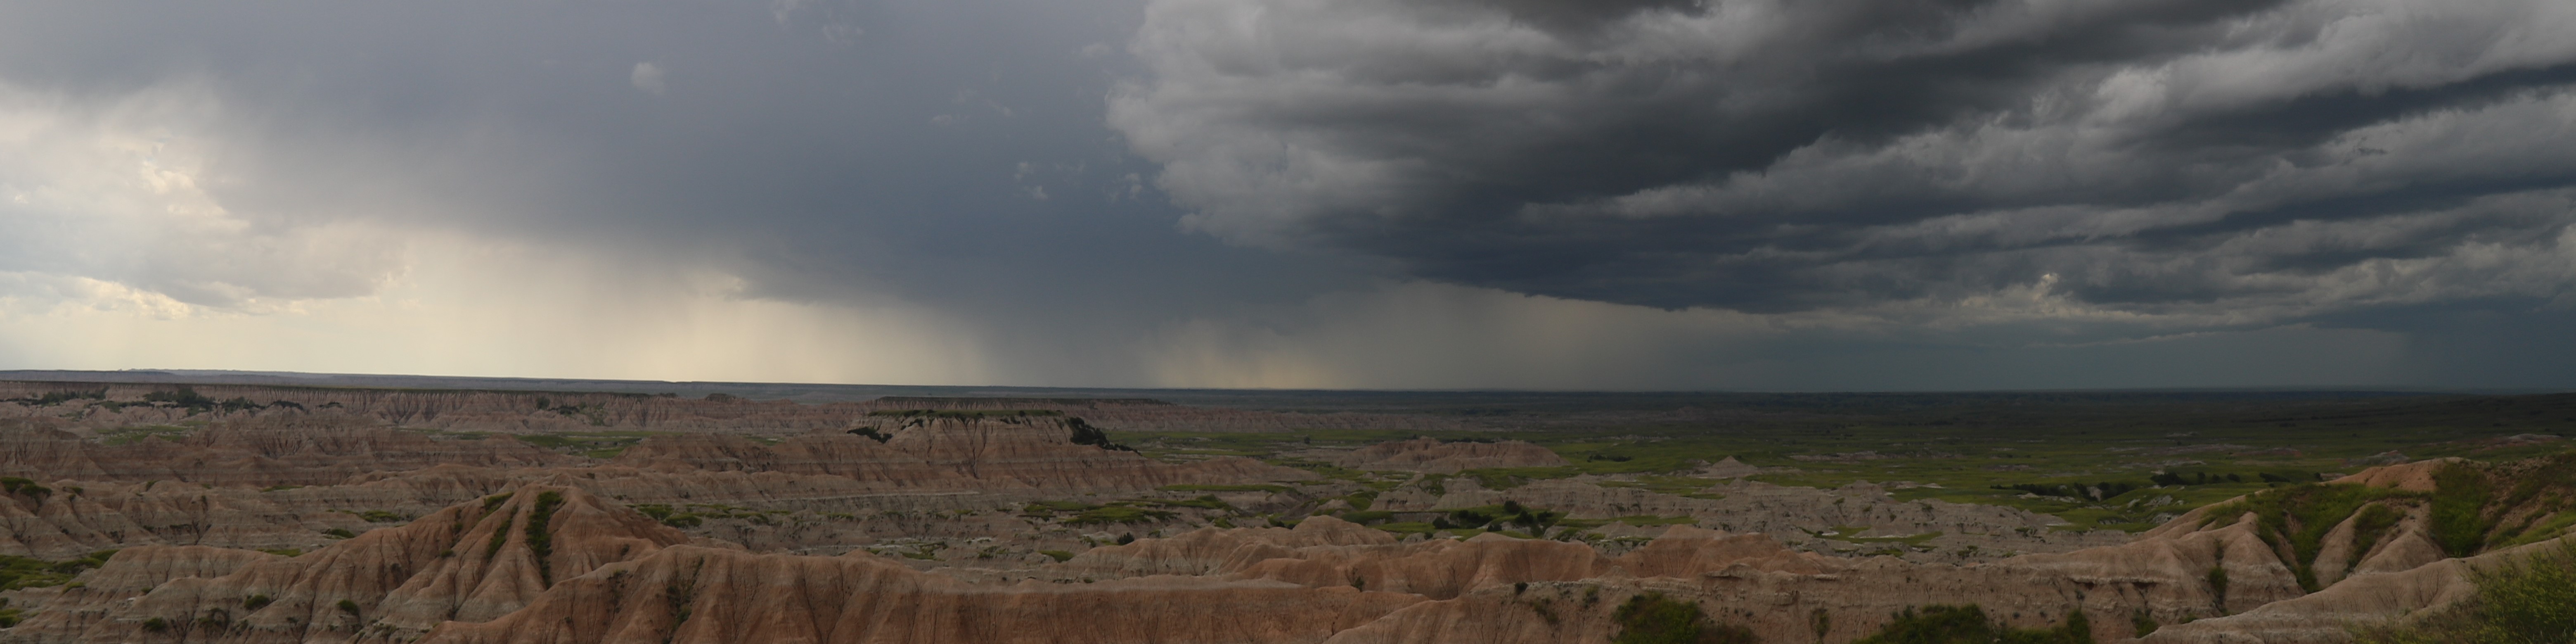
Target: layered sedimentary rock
x: 258, y: 452
x: 125, y: 405
x: 1147, y: 415
x: 293, y: 485
x: 1438, y: 456
x: 711, y: 596
x: 982, y: 453
x: 555, y: 563
x: 949, y: 526
x: 1797, y: 515
x: 473, y: 561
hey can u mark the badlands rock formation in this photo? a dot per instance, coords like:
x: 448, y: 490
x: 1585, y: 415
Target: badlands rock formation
x: 257, y: 452
x: 328, y: 524
x: 549, y: 563
x: 1445, y: 457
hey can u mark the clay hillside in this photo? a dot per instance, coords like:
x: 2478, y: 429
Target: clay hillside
x: 188, y: 515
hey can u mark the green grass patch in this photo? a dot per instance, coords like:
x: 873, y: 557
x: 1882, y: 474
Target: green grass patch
x: 540, y: 543
x: 1192, y: 487
x: 2302, y: 514
x: 28, y: 572
x: 2459, y: 518
x: 1408, y: 527
x: 1969, y: 625
x: 1504, y: 478
x: 1649, y: 521
x: 1209, y: 502
x: 1109, y: 514
x: 963, y: 414
x: 131, y: 435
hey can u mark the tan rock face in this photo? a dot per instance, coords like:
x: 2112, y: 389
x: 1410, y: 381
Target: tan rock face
x: 475, y: 561
x: 699, y: 595
x: 1434, y: 455
x: 300, y: 450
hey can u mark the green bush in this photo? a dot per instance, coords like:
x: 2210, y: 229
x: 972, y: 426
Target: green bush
x: 2460, y: 495
x: 16, y: 485
x: 1968, y: 625
x: 2218, y: 587
x: 254, y: 602
x: 347, y: 606
x: 1653, y: 619
x: 27, y: 572
x: 540, y: 544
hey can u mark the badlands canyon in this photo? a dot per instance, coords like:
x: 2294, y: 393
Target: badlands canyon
x: 250, y: 513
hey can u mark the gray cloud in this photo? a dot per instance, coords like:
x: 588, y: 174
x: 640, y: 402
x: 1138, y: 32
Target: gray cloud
x: 1886, y: 194
x: 2231, y: 161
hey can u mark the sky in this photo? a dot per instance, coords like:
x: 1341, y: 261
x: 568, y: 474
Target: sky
x: 1760, y: 195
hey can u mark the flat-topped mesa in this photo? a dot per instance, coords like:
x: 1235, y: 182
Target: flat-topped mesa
x: 106, y: 405
x: 1447, y: 457
x: 473, y: 561
x: 973, y: 403
x: 1145, y: 414
x: 260, y: 452
x: 960, y: 451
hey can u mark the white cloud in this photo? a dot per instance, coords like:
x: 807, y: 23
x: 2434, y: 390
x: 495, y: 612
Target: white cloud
x: 647, y: 77
x: 124, y: 191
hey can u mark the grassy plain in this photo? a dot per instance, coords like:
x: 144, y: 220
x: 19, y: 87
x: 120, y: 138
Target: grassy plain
x: 1966, y: 448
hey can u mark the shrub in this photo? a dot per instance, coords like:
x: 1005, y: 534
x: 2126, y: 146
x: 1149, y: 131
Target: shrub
x: 349, y: 607
x: 2218, y: 587
x: 1968, y: 625
x: 16, y: 485
x: 1085, y: 434
x: 156, y: 625
x: 339, y: 533
x: 2460, y: 497
x: 500, y: 536
x: 254, y: 602
x: 541, y: 544
x: 1653, y: 619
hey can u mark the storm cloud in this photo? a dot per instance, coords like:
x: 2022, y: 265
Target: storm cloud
x: 1631, y: 194
x: 2200, y: 163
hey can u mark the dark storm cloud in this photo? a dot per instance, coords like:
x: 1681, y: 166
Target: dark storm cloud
x: 946, y: 153
x: 2221, y: 160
